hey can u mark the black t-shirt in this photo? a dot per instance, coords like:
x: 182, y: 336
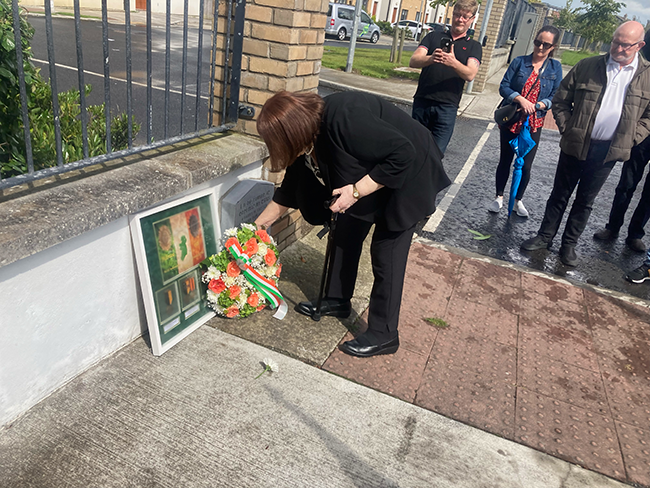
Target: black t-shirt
x: 440, y: 83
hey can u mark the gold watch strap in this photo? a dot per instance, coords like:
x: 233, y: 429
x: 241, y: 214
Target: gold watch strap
x: 355, y: 192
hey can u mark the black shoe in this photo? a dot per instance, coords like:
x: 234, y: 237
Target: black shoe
x: 568, y: 255
x: 333, y: 307
x: 364, y: 347
x: 639, y: 275
x: 636, y: 245
x: 535, y: 243
x: 605, y: 235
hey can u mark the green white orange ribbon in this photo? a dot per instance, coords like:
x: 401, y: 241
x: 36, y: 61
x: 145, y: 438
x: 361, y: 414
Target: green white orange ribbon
x: 265, y: 286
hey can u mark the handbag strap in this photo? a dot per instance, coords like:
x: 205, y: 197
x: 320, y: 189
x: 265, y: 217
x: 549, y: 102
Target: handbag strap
x: 539, y: 73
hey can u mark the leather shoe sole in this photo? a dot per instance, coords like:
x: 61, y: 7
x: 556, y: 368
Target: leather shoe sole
x: 331, y: 307
x: 353, y: 348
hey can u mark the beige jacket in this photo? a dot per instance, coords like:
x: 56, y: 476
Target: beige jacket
x: 578, y: 99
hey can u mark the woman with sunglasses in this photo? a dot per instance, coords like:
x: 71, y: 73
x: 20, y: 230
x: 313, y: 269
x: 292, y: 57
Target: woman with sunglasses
x: 530, y: 81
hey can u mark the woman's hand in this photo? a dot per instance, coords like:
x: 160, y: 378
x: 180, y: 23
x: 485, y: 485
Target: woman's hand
x: 526, y: 106
x: 345, y: 199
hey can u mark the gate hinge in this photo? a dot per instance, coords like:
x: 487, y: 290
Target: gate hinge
x: 246, y: 111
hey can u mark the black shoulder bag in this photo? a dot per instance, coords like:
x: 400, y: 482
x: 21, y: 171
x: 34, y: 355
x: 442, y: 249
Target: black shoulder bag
x: 509, y: 114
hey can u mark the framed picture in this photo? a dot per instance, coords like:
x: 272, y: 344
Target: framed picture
x: 170, y: 242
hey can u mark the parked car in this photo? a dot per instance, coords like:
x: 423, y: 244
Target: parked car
x: 436, y: 27
x: 412, y: 26
x: 339, y: 23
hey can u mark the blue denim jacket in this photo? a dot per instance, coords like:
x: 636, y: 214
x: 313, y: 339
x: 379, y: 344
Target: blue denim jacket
x: 518, y: 72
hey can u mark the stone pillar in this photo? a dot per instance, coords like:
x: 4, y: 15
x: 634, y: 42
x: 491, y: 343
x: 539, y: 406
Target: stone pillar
x: 492, y: 32
x: 282, y: 50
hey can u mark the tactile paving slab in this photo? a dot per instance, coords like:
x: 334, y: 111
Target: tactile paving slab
x: 568, y: 432
x: 635, y: 444
x: 571, y: 384
x: 566, y: 314
x: 482, y: 320
x: 474, y: 398
x: 554, y: 291
x: 556, y: 342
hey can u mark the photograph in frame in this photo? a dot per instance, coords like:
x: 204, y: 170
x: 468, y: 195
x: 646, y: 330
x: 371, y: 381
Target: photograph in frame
x: 170, y: 242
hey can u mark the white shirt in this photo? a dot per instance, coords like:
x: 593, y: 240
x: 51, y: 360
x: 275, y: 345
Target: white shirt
x: 609, y: 114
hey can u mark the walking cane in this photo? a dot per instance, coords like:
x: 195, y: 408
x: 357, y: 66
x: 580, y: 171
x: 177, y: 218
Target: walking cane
x: 329, y: 256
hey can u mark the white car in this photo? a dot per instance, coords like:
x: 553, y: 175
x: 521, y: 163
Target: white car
x: 412, y: 26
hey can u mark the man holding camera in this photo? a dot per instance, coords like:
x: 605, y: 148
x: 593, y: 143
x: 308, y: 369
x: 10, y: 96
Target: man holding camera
x: 448, y: 60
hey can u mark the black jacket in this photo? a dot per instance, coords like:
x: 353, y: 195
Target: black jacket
x: 363, y: 134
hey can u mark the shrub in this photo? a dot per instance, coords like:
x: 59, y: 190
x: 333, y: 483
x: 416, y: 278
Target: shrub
x: 13, y: 159
x: 385, y: 28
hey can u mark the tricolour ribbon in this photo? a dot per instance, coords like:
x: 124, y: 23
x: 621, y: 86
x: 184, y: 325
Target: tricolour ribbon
x: 265, y: 286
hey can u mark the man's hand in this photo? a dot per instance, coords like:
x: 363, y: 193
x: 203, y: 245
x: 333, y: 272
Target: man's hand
x: 448, y: 59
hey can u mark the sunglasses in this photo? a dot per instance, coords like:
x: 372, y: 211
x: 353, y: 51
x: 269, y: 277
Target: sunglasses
x: 538, y: 43
x: 624, y: 46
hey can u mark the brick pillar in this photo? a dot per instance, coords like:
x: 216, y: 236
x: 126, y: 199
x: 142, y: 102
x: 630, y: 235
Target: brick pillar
x: 494, y: 25
x: 283, y: 48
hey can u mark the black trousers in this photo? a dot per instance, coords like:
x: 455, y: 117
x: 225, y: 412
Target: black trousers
x: 589, y: 176
x: 631, y: 174
x: 389, y: 252
x: 505, y: 162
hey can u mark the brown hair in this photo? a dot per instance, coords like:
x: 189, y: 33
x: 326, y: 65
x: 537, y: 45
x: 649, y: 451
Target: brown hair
x: 466, y: 5
x: 289, y: 123
x: 555, y: 32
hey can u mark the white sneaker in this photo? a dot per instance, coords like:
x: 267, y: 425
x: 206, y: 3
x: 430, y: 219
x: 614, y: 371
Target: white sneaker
x: 496, y: 205
x: 520, y: 209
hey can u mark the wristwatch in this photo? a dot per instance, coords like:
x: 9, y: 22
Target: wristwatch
x: 355, y: 192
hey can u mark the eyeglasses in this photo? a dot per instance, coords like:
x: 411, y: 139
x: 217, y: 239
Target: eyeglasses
x: 464, y: 18
x: 538, y: 43
x: 624, y: 46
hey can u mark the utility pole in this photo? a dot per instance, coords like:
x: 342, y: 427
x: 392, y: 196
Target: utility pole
x: 420, y: 28
x: 393, y: 49
x: 353, y: 36
x: 484, y: 24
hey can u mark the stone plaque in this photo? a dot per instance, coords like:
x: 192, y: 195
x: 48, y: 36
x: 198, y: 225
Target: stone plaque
x: 245, y: 202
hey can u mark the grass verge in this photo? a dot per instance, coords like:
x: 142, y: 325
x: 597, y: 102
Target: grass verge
x: 368, y: 62
x: 570, y: 58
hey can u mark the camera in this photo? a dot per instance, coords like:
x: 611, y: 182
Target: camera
x: 445, y: 44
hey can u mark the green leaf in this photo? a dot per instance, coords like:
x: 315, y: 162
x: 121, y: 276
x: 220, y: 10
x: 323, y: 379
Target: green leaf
x: 479, y: 236
x: 8, y: 43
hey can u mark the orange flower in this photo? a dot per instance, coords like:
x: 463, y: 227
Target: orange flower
x: 235, y: 290
x: 251, y: 247
x: 261, y: 307
x: 279, y: 270
x: 270, y: 257
x: 253, y: 300
x: 262, y: 234
x: 217, y: 286
x: 232, y: 311
x: 232, y: 269
x: 231, y: 242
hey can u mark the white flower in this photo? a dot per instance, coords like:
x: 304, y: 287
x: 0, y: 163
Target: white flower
x: 270, y: 271
x: 212, y: 296
x: 241, y: 280
x: 211, y: 274
x: 232, y: 232
x: 241, y: 300
x: 249, y: 227
x: 257, y: 262
x: 271, y: 365
x: 261, y: 249
x: 229, y: 281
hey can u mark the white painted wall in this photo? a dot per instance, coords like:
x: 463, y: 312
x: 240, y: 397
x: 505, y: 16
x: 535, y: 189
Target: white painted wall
x: 66, y: 308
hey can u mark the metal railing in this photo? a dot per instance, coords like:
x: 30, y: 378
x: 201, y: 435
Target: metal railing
x: 160, y: 133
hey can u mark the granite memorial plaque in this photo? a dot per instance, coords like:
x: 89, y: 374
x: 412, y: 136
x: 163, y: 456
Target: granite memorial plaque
x: 245, y: 202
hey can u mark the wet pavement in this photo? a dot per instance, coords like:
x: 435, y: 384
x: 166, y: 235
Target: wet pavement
x: 542, y: 362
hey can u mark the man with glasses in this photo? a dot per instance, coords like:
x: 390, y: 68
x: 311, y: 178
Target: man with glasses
x: 631, y: 175
x: 602, y: 110
x: 444, y: 74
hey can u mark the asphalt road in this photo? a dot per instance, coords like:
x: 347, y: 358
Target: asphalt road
x: 384, y: 42
x: 66, y: 71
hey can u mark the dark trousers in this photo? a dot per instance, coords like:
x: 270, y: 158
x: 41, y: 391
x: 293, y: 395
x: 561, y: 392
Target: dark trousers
x: 439, y: 118
x: 631, y: 174
x: 589, y: 176
x: 505, y: 161
x: 389, y: 252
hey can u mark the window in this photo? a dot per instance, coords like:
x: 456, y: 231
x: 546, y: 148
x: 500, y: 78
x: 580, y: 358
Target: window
x: 364, y: 18
x: 346, y: 14
x: 417, y: 16
x: 405, y: 14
